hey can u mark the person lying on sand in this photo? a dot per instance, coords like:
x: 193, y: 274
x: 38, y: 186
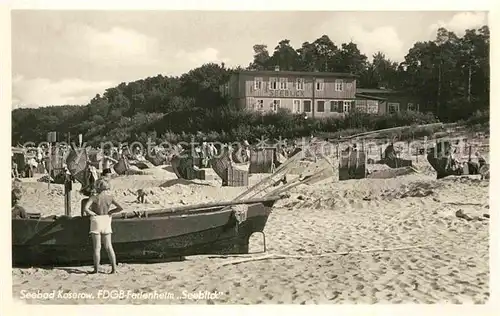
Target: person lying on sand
x: 98, y: 207
x: 17, y: 210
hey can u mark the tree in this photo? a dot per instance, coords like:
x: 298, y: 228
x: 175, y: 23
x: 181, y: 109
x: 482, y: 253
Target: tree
x: 260, y: 58
x: 381, y: 72
x: 285, y: 56
x: 351, y: 60
x: 319, y: 55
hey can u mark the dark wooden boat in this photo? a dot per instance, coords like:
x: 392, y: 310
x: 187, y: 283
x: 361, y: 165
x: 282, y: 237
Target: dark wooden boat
x: 160, y: 235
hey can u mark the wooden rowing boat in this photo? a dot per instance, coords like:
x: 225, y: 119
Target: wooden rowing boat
x: 164, y: 234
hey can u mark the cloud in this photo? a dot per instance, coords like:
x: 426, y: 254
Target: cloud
x: 384, y: 39
x: 369, y: 40
x: 42, y: 91
x: 461, y: 22
x: 128, y: 48
x: 197, y: 58
x: 116, y: 46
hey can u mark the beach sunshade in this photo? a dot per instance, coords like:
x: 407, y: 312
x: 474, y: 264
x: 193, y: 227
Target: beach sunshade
x: 352, y: 166
x: 221, y: 165
x: 76, y: 163
x: 183, y: 166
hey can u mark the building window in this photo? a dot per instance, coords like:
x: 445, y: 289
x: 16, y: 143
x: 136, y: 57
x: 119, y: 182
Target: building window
x: 347, y: 106
x: 321, y: 106
x: 307, y: 106
x: 296, y: 106
x: 392, y: 108
x: 224, y: 89
x: 300, y: 84
x: 413, y: 107
x: 339, y: 85
x: 273, y: 84
x: 319, y: 84
x: 360, y: 105
x: 334, y: 106
x: 372, y: 106
x: 257, y: 83
x: 276, y: 105
x: 283, y: 83
x: 260, y: 104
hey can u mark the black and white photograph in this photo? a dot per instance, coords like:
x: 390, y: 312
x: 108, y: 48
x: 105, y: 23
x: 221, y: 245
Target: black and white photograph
x: 250, y: 157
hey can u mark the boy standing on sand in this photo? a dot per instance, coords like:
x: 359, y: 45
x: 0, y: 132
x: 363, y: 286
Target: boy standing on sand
x: 98, y: 207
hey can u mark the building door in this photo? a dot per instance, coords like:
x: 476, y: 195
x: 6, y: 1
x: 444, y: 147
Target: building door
x: 296, y: 106
x: 276, y: 105
x: 307, y: 106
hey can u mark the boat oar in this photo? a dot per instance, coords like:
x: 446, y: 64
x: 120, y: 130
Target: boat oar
x: 279, y: 172
x: 179, y: 210
x: 314, y: 168
x: 308, y: 179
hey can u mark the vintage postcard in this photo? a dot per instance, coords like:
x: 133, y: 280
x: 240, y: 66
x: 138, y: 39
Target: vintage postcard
x: 250, y: 157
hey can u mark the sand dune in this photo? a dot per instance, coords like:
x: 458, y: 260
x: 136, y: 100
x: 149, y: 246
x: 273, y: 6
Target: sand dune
x: 325, y: 218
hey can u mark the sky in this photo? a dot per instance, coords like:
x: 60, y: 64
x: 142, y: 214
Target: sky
x: 67, y: 57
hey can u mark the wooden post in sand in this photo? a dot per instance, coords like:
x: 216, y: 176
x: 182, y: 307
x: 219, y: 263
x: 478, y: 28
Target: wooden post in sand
x: 51, y: 138
x: 67, y: 194
x: 49, y: 164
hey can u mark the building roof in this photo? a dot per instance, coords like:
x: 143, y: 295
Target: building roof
x: 369, y: 97
x: 297, y: 73
x: 376, y: 91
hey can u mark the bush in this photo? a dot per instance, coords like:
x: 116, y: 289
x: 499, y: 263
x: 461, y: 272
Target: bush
x: 232, y: 125
x: 479, y: 118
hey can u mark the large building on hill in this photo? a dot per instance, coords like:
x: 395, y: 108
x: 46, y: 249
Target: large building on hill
x: 317, y: 94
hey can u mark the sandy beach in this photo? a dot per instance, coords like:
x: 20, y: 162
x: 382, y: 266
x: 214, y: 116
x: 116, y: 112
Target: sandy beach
x: 431, y: 255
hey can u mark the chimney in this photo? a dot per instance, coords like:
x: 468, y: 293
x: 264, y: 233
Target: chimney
x: 277, y: 68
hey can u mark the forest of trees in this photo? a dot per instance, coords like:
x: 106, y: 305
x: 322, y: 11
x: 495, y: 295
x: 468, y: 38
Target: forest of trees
x: 449, y: 75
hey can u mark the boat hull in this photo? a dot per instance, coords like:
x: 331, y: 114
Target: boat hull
x: 66, y: 240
